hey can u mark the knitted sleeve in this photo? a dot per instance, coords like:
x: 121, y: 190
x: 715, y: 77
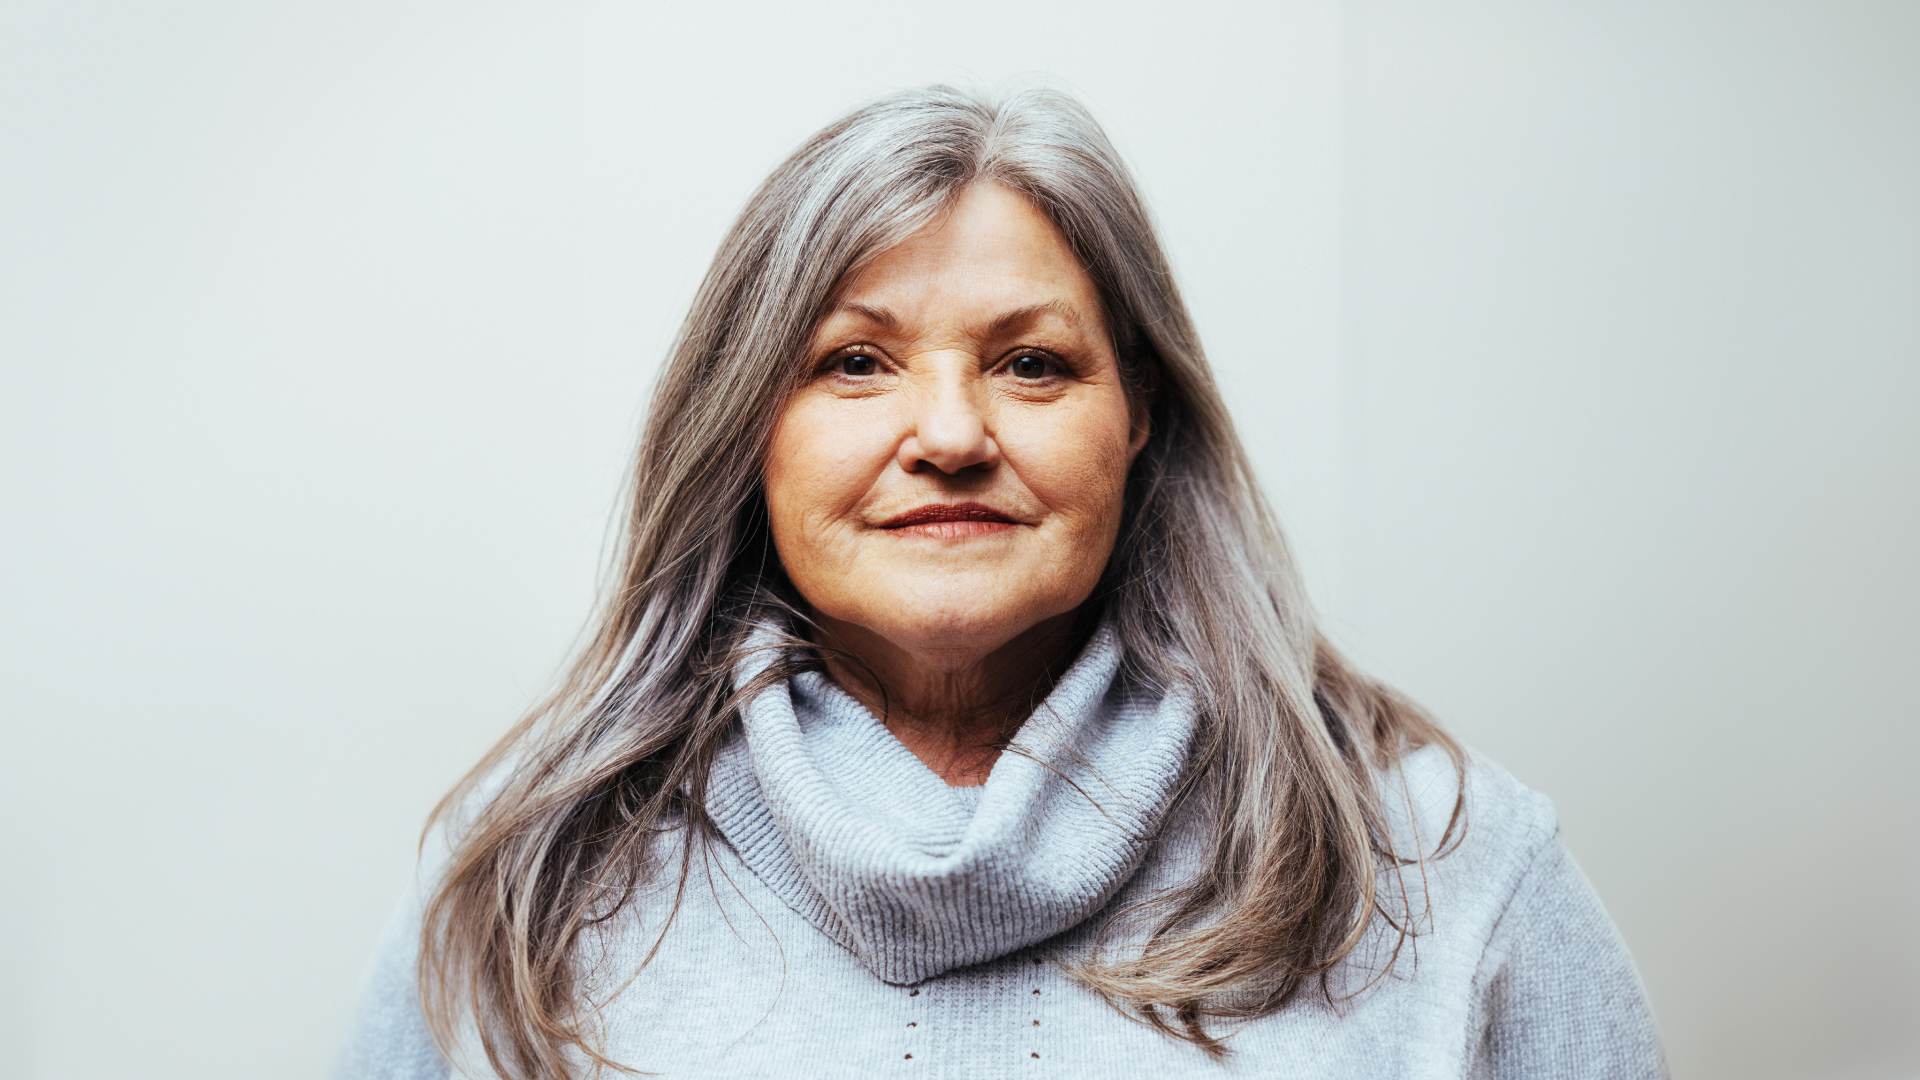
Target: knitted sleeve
x: 388, y: 1039
x: 1559, y: 993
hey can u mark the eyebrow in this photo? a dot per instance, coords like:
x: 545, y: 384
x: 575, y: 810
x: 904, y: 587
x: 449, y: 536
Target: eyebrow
x: 1023, y: 315
x: 880, y: 315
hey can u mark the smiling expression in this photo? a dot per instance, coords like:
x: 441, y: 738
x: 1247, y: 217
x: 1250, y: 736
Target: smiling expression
x: 952, y: 471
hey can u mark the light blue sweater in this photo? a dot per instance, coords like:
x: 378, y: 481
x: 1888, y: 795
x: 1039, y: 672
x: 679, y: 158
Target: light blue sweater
x: 864, y: 919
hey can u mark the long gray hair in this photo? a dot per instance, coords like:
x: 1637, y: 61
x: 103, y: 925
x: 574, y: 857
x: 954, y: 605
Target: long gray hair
x: 1199, y: 588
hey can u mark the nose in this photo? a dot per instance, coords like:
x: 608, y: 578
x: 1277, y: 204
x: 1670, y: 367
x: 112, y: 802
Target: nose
x: 950, y: 426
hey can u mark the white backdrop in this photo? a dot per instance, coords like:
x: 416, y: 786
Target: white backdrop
x: 1579, y: 345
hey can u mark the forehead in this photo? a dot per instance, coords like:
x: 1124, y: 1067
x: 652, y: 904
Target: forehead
x: 993, y: 252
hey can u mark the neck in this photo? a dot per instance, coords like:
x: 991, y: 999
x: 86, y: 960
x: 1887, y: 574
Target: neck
x: 954, y: 708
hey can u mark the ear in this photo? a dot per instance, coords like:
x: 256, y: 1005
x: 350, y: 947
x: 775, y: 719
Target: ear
x: 1140, y: 422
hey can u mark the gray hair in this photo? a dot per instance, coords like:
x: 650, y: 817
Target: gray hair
x: 1200, y: 590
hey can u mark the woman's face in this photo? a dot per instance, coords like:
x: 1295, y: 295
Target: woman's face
x: 952, y: 472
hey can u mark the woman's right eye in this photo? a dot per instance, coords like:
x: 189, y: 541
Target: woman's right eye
x: 858, y: 364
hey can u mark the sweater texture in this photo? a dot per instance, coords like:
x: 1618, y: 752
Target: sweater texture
x: 861, y: 918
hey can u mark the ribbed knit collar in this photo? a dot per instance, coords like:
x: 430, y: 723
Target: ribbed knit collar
x: 869, y: 845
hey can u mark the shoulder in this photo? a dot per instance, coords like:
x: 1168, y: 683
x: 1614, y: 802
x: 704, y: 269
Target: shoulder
x: 1554, y: 991
x: 1436, y: 806
x: 1462, y: 838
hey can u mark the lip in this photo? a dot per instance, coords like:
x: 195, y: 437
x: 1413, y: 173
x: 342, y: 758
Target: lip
x: 943, y: 513
x: 949, y: 521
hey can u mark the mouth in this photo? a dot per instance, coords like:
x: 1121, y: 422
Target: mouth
x: 949, y: 521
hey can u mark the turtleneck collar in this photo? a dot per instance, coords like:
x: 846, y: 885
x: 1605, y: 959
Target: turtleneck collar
x: 915, y: 878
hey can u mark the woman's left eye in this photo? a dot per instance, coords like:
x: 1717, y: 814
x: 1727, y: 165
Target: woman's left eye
x: 1030, y: 367
x: 858, y: 365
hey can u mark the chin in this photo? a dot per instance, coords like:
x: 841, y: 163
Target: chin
x: 969, y: 618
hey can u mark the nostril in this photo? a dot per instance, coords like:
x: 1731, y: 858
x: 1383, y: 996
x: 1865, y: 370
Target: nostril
x: 950, y: 439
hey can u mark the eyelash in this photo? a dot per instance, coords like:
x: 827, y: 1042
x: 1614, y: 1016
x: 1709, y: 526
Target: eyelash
x: 835, y: 365
x: 1052, y: 364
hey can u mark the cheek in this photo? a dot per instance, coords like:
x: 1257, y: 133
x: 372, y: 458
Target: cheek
x: 1074, y: 458
x: 818, y: 469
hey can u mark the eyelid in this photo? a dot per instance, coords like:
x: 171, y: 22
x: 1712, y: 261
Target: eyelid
x: 835, y: 356
x: 1060, y: 366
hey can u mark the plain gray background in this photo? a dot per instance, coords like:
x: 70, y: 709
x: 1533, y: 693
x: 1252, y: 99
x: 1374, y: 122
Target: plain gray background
x: 1578, y: 343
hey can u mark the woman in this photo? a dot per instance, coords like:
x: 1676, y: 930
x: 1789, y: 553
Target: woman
x: 959, y: 711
